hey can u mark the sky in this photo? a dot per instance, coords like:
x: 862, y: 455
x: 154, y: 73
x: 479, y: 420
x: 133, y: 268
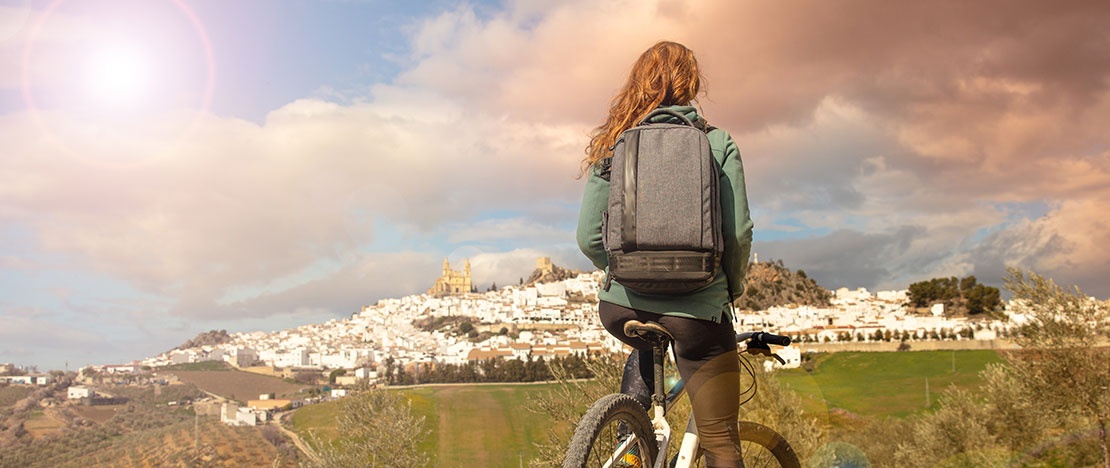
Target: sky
x: 169, y: 167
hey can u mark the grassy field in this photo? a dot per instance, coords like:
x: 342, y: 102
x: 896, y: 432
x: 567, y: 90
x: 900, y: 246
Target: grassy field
x: 884, y: 384
x: 474, y: 425
x: 508, y: 430
x: 489, y: 425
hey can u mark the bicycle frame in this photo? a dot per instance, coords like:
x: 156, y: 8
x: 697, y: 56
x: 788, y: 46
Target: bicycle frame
x: 642, y: 436
x: 661, y: 404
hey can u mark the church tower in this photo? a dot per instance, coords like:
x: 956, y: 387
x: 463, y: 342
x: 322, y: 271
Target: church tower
x: 452, y: 282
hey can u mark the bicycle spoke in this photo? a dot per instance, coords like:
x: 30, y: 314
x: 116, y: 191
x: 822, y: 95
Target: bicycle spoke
x: 615, y: 447
x: 757, y: 456
x: 615, y: 432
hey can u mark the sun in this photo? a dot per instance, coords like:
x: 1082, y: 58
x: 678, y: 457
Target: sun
x: 119, y: 76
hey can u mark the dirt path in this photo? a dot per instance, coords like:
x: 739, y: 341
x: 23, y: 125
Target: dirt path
x: 301, y: 445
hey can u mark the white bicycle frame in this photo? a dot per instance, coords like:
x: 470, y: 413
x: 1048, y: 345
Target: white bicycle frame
x: 688, y: 450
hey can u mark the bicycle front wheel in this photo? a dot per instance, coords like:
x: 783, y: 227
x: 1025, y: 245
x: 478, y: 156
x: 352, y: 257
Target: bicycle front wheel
x: 761, y: 447
x: 615, y: 432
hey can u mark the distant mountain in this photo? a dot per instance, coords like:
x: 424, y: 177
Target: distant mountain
x: 766, y: 285
x: 208, y: 338
x: 547, y: 272
x: 770, y: 284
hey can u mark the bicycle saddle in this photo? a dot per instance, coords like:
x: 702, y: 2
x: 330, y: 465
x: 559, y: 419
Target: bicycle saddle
x: 650, y: 332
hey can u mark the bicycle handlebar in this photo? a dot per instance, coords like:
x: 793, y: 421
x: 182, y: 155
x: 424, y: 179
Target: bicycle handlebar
x: 756, y: 339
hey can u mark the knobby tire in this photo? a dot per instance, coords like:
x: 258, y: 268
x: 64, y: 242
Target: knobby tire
x: 608, y: 421
x: 761, y: 447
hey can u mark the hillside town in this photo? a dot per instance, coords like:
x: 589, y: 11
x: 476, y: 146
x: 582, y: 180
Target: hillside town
x: 539, y: 319
x: 548, y: 319
x: 552, y: 315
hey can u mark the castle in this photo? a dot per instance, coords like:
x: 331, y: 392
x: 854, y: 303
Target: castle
x: 452, y: 282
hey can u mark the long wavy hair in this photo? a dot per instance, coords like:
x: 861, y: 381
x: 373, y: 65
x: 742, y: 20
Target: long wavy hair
x: 666, y: 74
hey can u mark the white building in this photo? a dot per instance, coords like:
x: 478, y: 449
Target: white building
x: 240, y: 356
x: 232, y: 415
x: 77, y: 392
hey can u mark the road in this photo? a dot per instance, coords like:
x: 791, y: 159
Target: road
x: 301, y: 445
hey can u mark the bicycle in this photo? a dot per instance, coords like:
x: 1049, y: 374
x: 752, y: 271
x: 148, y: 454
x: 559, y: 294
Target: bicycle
x: 616, y: 431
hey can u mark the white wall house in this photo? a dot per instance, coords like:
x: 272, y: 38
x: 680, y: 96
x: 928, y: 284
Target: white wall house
x: 285, y: 357
x: 77, y: 392
x: 36, y: 379
x: 240, y: 356
x: 232, y: 415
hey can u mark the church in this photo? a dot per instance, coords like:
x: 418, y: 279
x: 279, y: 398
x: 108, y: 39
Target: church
x: 452, y: 282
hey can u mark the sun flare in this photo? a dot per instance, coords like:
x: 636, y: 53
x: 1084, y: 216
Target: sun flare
x: 119, y: 76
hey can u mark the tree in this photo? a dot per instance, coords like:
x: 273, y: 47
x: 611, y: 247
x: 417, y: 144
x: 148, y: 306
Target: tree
x: 335, y: 373
x: 982, y: 299
x: 968, y: 283
x: 376, y: 426
x: 466, y: 327
x: 956, y: 435
x: 1062, y: 362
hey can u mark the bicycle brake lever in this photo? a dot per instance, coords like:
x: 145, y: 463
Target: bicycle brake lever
x: 778, y: 358
x: 765, y: 351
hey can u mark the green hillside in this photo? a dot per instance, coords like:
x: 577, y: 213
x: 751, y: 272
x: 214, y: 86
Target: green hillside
x: 884, y: 384
x: 469, y: 425
x: 490, y: 425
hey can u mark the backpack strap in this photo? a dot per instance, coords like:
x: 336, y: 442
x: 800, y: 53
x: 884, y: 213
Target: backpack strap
x: 701, y: 124
x: 606, y: 168
x: 668, y: 111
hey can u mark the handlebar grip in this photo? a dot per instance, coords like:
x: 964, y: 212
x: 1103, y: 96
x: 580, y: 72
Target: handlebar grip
x: 769, y: 338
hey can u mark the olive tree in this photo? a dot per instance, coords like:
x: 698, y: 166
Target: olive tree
x: 377, y: 428
x: 1064, y: 358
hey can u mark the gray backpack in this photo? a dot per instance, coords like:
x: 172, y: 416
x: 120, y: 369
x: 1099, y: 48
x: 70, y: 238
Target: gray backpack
x: 662, y: 230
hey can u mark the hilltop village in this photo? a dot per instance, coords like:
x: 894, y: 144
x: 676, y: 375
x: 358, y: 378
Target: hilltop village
x: 549, y: 318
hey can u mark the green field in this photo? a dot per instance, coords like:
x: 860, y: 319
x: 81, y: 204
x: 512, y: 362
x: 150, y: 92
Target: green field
x: 884, y: 384
x: 471, y: 425
x: 489, y: 425
x: 480, y: 425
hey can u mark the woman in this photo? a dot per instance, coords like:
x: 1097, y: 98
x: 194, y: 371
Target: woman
x: 666, y: 75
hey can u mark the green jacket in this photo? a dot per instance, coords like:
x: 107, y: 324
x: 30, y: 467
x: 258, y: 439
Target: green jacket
x: 708, y: 303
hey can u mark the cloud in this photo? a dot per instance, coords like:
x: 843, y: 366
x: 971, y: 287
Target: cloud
x: 509, y: 268
x: 495, y: 230
x: 882, y: 142
x: 287, y: 204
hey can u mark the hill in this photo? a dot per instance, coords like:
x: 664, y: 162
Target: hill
x: 839, y: 389
x: 46, y: 429
x: 770, y: 284
x: 547, y: 272
x: 879, y: 384
x: 208, y: 338
x: 237, y: 385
